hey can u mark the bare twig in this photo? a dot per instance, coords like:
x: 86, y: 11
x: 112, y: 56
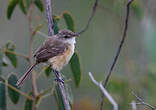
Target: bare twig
x: 42, y: 34
x: 29, y: 16
x: 34, y: 85
x: 104, y: 91
x: 36, y: 29
x: 57, y: 74
x: 47, y: 90
x: 62, y: 90
x: 40, y: 73
x: 119, y: 49
x: 15, y: 53
x: 141, y: 102
x: 133, y: 103
x: 90, y: 18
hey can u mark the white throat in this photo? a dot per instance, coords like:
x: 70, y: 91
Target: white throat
x: 71, y: 41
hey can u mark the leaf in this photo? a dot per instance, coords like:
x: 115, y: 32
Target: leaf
x: 14, y: 96
x: 48, y: 71
x: 76, y: 69
x: 2, y: 97
x: 56, y: 28
x: 39, y: 5
x: 11, y: 6
x: 22, y: 6
x: 59, y: 99
x: 28, y: 103
x: 69, y: 21
x: 11, y: 47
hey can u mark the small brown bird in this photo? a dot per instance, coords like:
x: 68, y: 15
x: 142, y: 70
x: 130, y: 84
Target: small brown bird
x: 57, y: 50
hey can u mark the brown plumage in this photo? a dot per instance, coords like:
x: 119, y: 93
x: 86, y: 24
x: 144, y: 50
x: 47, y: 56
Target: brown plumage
x: 57, y: 50
x: 52, y: 47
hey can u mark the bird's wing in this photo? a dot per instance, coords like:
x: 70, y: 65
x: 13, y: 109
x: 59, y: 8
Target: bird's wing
x: 52, y: 47
x: 42, y: 47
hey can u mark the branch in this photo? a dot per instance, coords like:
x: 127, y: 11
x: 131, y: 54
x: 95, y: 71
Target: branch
x: 42, y: 34
x: 141, y: 102
x: 49, y: 18
x: 104, y: 91
x: 57, y: 74
x: 15, y: 53
x: 90, y: 18
x: 34, y: 85
x: 119, y: 48
x: 40, y: 73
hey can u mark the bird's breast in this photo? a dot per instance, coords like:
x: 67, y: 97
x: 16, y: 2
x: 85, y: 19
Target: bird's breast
x: 58, y: 62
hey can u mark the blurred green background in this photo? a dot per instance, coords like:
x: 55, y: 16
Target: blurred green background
x: 135, y: 69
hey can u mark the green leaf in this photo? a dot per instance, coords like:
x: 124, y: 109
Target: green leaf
x: 28, y: 103
x: 11, y: 6
x: 11, y: 47
x: 39, y: 5
x: 56, y: 28
x: 2, y: 97
x: 59, y: 99
x: 22, y: 6
x: 48, y: 71
x: 69, y: 21
x: 14, y: 96
x: 76, y: 69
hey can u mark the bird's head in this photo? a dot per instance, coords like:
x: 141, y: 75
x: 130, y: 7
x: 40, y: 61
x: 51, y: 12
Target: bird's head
x: 66, y: 34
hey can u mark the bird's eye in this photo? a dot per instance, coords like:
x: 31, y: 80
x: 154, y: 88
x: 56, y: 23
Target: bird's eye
x: 65, y: 36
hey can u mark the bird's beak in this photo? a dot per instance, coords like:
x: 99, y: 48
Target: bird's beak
x: 75, y: 35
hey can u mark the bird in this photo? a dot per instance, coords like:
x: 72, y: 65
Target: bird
x: 57, y: 51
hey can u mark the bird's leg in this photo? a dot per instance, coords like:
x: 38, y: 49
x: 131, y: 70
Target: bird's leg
x: 58, y: 77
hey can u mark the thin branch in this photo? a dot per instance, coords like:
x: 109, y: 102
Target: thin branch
x: 90, y: 18
x: 121, y: 43
x: 62, y: 90
x: 119, y: 49
x: 104, y: 91
x: 42, y: 34
x: 57, y: 74
x: 34, y: 85
x: 49, y: 18
x: 46, y: 90
x: 15, y: 53
x: 141, y: 102
x: 36, y: 29
x: 40, y: 73
x: 29, y: 16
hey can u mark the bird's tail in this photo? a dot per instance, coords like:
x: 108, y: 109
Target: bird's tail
x: 26, y: 74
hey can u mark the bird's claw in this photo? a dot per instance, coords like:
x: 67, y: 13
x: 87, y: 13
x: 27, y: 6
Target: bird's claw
x: 59, y: 80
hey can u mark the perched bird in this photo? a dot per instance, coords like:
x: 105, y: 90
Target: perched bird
x: 56, y: 50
